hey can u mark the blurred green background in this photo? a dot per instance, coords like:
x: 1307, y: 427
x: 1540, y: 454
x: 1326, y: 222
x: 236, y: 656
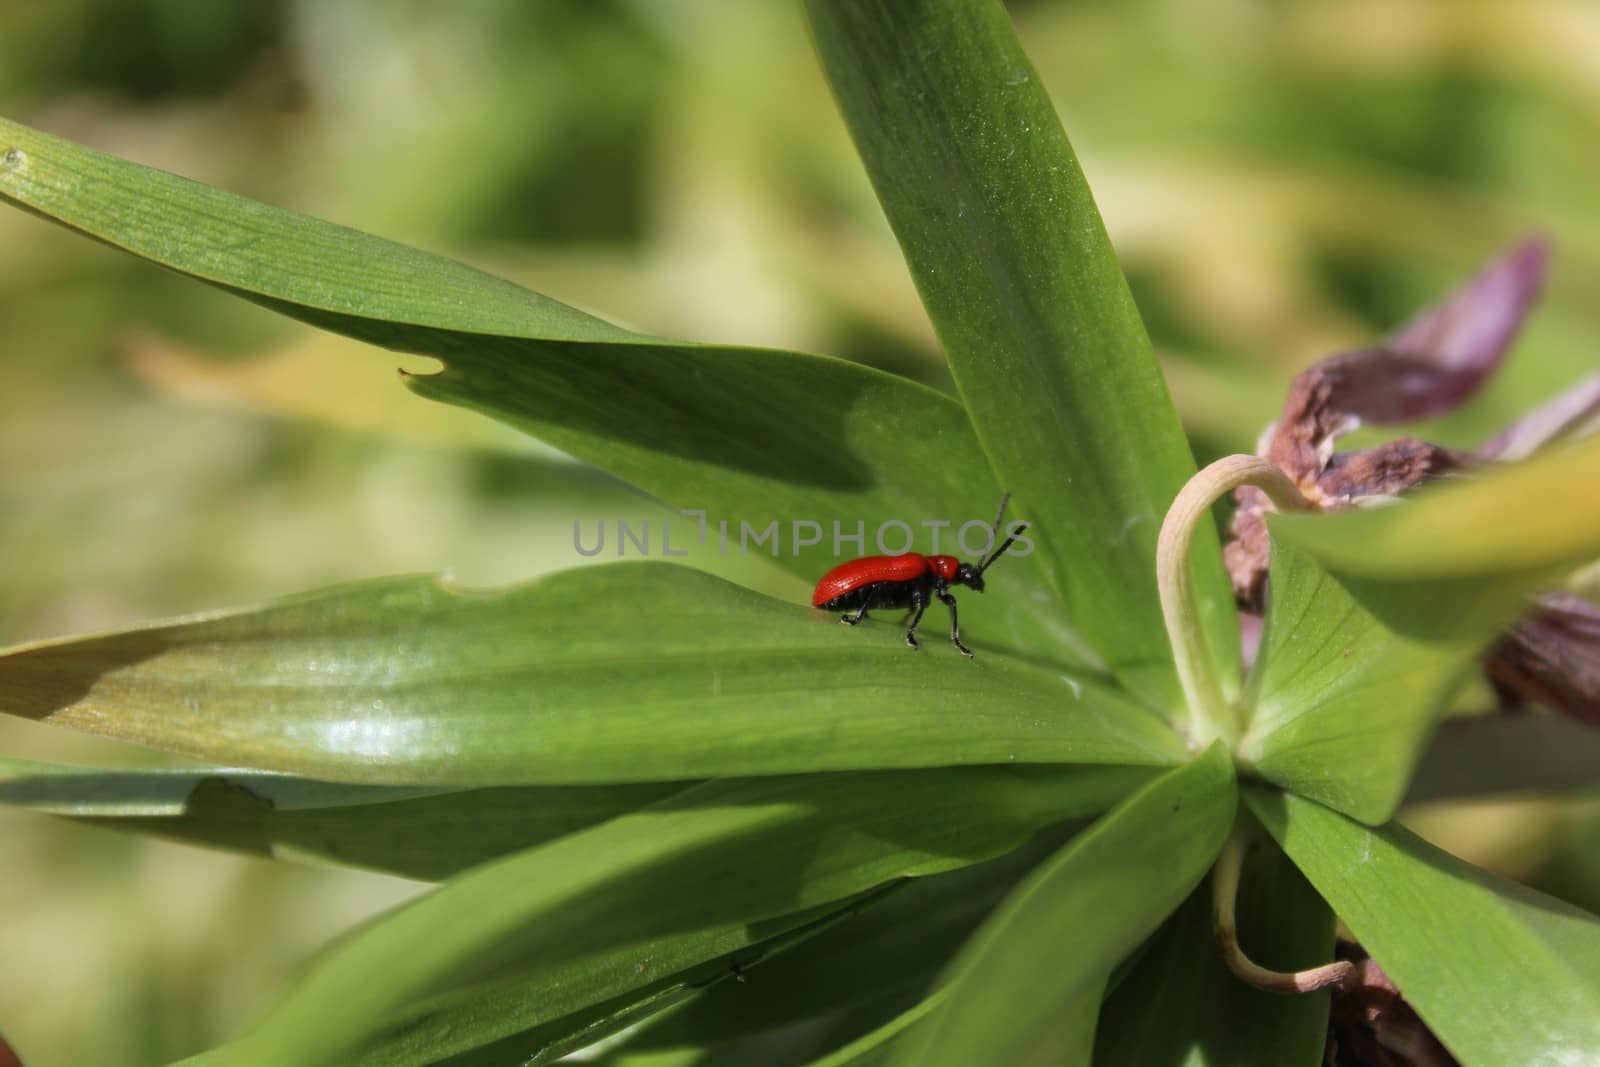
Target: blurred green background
x: 1283, y: 178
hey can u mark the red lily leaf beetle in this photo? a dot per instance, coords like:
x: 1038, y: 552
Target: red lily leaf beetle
x: 909, y: 580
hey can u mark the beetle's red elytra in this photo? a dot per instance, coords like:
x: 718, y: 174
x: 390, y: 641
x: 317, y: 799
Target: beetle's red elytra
x: 909, y: 580
x: 906, y: 567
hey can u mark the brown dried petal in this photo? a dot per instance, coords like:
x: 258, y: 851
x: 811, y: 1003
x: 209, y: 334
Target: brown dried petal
x: 1248, y: 549
x: 1318, y: 411
x: 1387, y: 470
x: 1552, y: 657
x: 1427, y: 368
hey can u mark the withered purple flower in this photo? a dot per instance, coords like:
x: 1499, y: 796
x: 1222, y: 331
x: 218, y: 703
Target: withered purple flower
x: 1429, y: 367
x: 1371, y: 1025
x: 1552, y: 657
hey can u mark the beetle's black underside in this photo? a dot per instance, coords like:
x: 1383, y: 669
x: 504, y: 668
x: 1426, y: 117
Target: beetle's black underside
x: 882, y: 595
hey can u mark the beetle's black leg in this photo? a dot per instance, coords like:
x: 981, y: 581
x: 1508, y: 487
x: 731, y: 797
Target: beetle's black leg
x: 851, y: 620
x: 955, y: 624
x: 920, y: 602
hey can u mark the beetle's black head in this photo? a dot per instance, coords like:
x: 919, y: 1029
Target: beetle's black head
x: 967, y: 574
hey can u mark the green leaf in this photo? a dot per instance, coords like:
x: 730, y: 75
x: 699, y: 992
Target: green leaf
x: 860, y: 961
x: 1027, y: 988
x: 428, y: 834
x: 747, y: 435
x: 457, y: 1020
x: 1012, y: 260
x: 534, y: 1010
x: 893, y: 948
x: 1500, y: 755
x: 627, y: 672
x: 551, y: 1042
x: 796, y: 1047
x: 1341, y: 705
x: 1181, y: 1004
x: 880, y: 1045
x: 1455, y: 561
x: 721, y: 853
x: 1501, y: 974
x: 538, y: 1013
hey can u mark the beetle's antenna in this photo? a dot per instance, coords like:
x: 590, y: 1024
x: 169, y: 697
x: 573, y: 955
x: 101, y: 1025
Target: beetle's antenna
x: 1005, y: 545
x: 1005, y: 498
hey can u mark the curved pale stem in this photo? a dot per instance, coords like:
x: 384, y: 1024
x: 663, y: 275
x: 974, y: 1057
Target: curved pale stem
x: 1210, y: 714
x: 1224, y: 894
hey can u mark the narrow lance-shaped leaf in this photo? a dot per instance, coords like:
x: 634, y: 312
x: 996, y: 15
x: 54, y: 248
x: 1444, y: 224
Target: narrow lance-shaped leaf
x: 554, y: 1042
x: 627, y: 672
x: 887, y: 941
x: 724, y: 852
x: 841, y: 1036
x: 1027, y: 988
x: 1012, y: 260
x: 747, y: 435
x: 455, y: 1027
x: 891, y: 950
x: 531, y: 1011
x: 1501, y: 974
x: 427, y: 834
x: 880, y: 1045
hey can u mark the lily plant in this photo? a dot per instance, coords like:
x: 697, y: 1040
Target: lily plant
x: 674, y: 821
